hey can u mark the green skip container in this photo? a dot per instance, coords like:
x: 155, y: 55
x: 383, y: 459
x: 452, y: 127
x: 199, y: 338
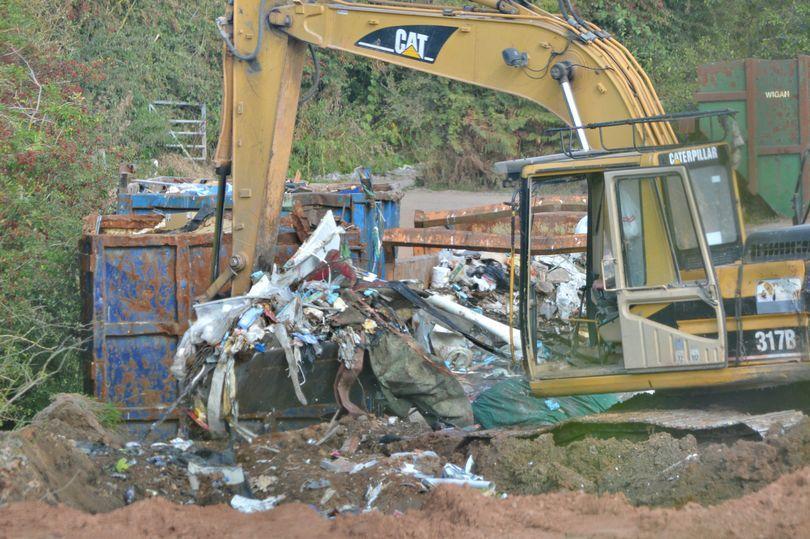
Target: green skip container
x: 772, y: 100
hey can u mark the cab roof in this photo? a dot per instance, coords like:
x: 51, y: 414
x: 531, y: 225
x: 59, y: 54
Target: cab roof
x: 579, y: 162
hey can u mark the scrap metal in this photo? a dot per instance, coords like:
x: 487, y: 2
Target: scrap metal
x: 493, y: 243
x: 576, y: 204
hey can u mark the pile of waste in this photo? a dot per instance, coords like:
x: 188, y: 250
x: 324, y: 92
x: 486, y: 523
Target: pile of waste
x: 433, y: 352
x: 482, y: 280
x: 317, y: 297
x: 559, y: 280
x: 347, y: 466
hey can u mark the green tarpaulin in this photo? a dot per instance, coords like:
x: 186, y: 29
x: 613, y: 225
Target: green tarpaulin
x: 409, y: 378
x: 511, y: 403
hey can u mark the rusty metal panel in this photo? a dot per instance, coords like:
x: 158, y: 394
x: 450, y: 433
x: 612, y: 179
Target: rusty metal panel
x: 500, y: 212
x: 772, y: 98
x: 553, y: 216
x: 559, y: 223
x: 494, y: 243
x: 141, y: 290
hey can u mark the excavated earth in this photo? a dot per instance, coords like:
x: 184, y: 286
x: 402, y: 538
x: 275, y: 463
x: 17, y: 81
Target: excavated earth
x: 58, y: 477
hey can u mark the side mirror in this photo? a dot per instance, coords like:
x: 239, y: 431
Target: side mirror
x: 609, y: 273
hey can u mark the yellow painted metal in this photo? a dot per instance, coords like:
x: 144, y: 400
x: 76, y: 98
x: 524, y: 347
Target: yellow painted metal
x: 648, y: 310
x: 222, y: 157
x: 750, y: 322
x: 608, y: 86
x: 754, y: 375
x: 583, y: 165
x: 260, y: 96
x: 265, y: 101
x: 753, y: 273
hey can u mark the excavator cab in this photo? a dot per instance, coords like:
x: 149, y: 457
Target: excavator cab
x: 648, y: 260
x: 659, y: 222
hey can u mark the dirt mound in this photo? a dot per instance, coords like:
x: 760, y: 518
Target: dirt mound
x: 777, y: 510
x: 48, y: 460
x: 662, y: 470
x: 39, y: 465
x: 76, y: 417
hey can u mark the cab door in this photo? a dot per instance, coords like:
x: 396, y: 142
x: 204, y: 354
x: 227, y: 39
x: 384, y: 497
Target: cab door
x: 661, y: 268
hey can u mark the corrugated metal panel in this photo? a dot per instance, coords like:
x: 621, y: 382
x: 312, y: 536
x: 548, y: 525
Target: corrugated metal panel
x: 772, y: 98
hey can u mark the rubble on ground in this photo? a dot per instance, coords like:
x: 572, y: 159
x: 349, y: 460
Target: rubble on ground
x: 362, y: 464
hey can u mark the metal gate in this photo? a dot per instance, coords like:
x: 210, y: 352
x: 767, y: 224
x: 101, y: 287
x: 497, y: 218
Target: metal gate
x: 187, y: 127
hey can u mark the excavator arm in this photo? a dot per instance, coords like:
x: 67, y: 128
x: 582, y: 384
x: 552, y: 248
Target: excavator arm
x: 566, y: 65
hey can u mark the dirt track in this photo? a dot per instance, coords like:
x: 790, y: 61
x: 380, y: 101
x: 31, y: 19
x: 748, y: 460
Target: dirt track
x: 779, y: 510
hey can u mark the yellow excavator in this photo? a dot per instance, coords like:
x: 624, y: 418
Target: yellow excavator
x: 677, y: 295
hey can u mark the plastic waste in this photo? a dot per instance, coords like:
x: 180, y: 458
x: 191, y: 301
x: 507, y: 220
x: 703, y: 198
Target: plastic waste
x: 249, y: 317
x: 181, y: 444
x: 267, y: 287
x: 316, y: 484
x: 231, y: 475
x: 511, y: 403
x: 363, y: 466
x: 440, y: 277
x: 372, y: 493
x: 121, y: 465
x: 325, y: 238
x: 251, y: 505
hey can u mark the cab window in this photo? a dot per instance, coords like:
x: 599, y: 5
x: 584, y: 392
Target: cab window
x: 656, y: 229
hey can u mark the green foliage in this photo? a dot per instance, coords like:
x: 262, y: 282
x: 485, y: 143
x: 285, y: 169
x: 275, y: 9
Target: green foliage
x: 147, y: 50
x: 382, y: 115
x: 670, y: 38
x: 108, y: 415
x: 50, y: 176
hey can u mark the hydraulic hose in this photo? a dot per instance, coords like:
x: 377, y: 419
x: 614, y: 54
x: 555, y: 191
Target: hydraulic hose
x: 564, y: 12
x: 577, y: 22
x: 312, y: 91
x: 588, y: 27
x: 221, y: 22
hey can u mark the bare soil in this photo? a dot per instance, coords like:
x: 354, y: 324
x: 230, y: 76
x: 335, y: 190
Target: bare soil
x: 662, y: 470
x: 662, y: 484
x: 779, y: 510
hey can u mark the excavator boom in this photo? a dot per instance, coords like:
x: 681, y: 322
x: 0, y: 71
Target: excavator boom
x: 572, y: 68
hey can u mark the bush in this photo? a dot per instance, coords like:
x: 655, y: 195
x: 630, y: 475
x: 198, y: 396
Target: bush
x: 50, y: 176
